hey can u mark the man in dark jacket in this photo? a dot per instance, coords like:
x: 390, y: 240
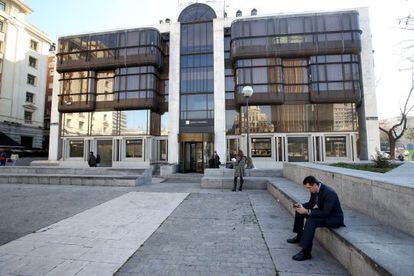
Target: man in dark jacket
x: 91, y: 160
x: 322, y: 210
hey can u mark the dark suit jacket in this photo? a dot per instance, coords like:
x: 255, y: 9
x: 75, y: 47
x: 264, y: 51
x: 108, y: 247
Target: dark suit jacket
x: 328, y: 203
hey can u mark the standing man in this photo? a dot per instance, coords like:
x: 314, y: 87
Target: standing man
x: 91, y: 160
x: 322, y: 210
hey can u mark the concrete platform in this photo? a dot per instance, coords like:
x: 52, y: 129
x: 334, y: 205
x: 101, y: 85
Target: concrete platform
x: 72, y: 176
x: 365, y: 247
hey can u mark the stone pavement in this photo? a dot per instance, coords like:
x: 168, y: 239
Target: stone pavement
x: 27, y: 208
x: 227, y: 234
x: 211, y: 232
x: 95, y: 242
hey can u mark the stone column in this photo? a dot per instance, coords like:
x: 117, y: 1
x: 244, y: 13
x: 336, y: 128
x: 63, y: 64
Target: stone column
x: 367, y: 113
x: 174, y: 94
x: 219, y: 90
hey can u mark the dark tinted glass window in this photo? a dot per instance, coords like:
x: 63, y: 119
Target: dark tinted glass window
x: 196, y: 12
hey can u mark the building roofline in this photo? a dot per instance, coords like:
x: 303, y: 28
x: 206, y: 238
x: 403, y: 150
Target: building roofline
x: 149, y: 28
x: 232, y: 19
x: 23, y: 6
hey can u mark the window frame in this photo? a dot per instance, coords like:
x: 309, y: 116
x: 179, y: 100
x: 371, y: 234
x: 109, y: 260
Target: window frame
x: 33, y: 62
x: 30, y: 95
x: 31, y: 77
x: 34, y: 45
x: 28, y: 119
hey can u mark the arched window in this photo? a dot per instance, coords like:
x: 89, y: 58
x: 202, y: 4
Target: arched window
x: 196, y: 13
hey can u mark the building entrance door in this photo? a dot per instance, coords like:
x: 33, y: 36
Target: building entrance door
x: 104, y: 149
x: 193, y: 157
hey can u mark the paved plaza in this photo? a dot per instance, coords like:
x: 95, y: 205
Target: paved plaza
x: 169, y: 228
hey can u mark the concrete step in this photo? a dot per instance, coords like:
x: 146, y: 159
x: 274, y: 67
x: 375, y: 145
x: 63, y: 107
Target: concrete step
x: 184, y: 177
x: 69, y: 171
x: 225, y: 172
x: 253, y: 183
x: 365, y: 247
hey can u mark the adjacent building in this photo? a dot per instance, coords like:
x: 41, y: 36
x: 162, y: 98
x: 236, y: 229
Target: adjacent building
x: 171, y: 93
x: 24, y: 53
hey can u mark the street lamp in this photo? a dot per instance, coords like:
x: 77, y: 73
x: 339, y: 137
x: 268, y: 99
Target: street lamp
x: 247, y: 92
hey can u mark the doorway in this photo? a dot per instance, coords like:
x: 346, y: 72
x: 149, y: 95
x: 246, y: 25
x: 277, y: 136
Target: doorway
x: 193, y: 157
x: 104, y: 149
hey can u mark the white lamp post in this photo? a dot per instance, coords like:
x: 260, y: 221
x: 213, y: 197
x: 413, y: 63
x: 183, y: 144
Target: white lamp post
x: 247, y: 92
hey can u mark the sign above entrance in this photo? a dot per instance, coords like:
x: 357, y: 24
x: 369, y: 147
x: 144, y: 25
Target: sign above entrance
x: 195, y: 137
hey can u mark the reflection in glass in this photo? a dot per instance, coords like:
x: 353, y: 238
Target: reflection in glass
x: 75, y: 124
x: 335, y: 146
x: 137, y: 122
x: 104, y: 123
x: 232, y: 122
x: 261, y: 147
x: 76, y: 148
x: 298, y: 149
x: 104, y: 86
x: 164, y: 123
x: 260, y: 119
x: 133, y: 148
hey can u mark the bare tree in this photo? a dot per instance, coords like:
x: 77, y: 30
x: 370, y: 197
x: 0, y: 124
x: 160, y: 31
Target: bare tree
x: 396, y: 131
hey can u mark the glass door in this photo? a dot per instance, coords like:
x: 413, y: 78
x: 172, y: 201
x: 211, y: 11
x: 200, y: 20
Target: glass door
x: 298, y: 149
x: 193, y: 157
x: 104, y: 150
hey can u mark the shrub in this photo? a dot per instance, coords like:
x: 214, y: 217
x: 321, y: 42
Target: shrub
x: 380, y: 160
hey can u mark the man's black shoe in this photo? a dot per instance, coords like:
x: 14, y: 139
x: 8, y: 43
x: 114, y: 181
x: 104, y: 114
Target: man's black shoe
x: 302, y: 255
x: 233, y: 190
x: 294, y: 240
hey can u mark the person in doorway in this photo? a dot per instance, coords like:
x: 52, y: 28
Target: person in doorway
x: 14, y: 157
x: 322, y: 210
x: 239, y: 170
x: 91, y: 160
x: 3, y: 158
x: 216, y: 160
x: 98, y: 160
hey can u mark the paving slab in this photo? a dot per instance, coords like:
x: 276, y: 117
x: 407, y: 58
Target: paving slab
x: 95, y: 242
x: 208, y: 234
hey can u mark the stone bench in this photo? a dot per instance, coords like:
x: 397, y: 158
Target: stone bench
x: 365, y: 247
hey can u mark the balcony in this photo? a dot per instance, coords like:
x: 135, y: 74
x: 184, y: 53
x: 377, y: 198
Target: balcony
x: 261, y: 98
x: 136, y: 100
x: 294, y: 45
x: 294, y: 36
x: 79, y: 102
x: 137, y: 47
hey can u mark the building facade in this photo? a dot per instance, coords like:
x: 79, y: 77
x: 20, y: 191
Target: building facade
x: 23, y: 67
x: 172, y: 93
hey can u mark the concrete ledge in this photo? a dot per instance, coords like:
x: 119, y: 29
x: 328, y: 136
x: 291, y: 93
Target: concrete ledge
x: 90, y: 177
x: 364, y: 247
x: 225, y: 172
x: 253, y: 183
x: 386, y: 198
x: 167, y: 170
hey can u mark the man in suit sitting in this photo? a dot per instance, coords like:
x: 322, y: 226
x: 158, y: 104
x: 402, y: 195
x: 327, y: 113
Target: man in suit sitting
x: 322, y: 210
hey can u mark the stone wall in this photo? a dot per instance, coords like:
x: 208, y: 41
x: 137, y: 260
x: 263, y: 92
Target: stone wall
x: 379, y: 196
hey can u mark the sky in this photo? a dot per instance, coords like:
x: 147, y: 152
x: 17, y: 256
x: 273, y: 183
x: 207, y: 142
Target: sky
x: 392, y: 74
